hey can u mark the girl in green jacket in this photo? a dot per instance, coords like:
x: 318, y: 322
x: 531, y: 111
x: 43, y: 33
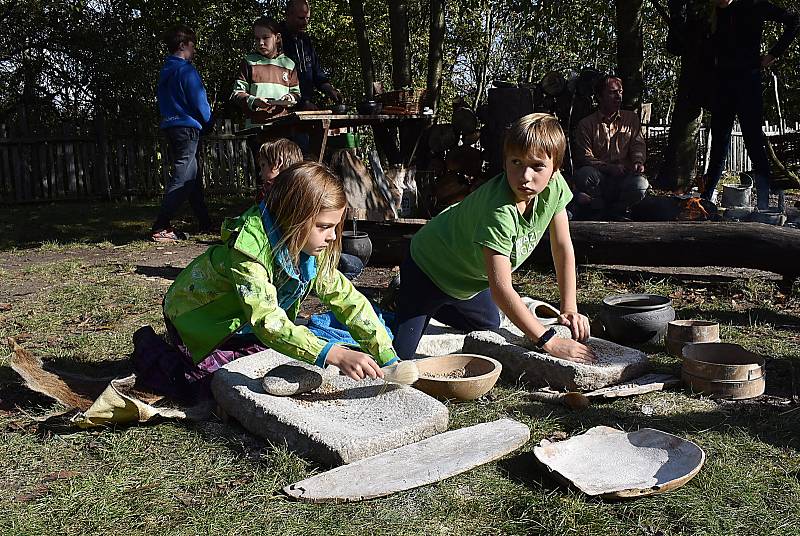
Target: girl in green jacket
x: 242, y: 297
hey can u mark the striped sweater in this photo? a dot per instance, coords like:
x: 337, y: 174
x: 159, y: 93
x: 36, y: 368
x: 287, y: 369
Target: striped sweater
x: 268, y: 78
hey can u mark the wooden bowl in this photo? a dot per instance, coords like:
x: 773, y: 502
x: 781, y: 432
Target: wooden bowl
x: 682, y: 332
x: 470, y: 376
x: 723, y: 370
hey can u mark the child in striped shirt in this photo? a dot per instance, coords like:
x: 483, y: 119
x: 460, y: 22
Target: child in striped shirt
x: 266, y: 73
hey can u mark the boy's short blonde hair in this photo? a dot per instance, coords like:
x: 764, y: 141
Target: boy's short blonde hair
x: 280, y: 154
x: 535, y: 134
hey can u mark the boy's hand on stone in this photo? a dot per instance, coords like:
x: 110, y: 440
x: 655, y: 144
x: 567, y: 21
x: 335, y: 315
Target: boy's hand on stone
x: 354, y: 364
x: 578, y: 324
x: 570, y: 350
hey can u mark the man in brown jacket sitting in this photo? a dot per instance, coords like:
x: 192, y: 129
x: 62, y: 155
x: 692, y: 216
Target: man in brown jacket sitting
x: 609, y: 154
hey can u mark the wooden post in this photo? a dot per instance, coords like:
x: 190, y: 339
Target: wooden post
x: 101, y: 181
x: 69, y: 160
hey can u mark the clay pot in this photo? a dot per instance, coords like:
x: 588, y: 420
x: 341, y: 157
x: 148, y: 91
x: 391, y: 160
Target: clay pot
x: 682, y: 332
x: 737, y: 195
x: 481, y: 374
x: 636, y: 318
x: 357, y: 243
x: 369, y: 107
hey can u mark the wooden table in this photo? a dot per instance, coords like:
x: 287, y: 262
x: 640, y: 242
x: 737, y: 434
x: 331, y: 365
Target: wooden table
x: 317, y: 123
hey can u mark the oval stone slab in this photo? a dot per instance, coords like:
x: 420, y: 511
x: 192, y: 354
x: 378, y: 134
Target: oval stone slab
x: 288, y: 380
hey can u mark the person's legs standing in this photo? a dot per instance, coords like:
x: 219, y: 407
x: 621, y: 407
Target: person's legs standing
x: 196, y: 196
x: 182, y: 142
x: 751, y: 115
x: 722, y: 117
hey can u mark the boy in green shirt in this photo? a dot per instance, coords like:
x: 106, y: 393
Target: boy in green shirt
x: 460, y: 265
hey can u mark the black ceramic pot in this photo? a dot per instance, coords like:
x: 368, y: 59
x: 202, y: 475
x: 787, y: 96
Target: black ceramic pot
x: 369, y: 107
x: 357, y: 243
x: 636, y: 318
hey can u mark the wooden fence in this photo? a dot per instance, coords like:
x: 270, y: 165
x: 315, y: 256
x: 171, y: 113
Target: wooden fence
x: 106, y: 164
x: 737, y: 160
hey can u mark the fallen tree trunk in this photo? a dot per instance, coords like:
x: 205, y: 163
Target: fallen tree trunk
x: 741, y: 245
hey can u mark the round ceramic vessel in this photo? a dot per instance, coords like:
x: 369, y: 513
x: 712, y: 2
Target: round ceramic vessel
x: 636, y: 318
x: 481, y: 374
x: 357, y: 243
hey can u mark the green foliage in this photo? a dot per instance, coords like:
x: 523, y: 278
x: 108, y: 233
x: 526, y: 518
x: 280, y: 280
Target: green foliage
x: 65, y: 60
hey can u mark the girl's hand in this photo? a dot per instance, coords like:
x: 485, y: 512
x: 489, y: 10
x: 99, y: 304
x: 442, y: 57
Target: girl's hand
x: 570, y: 350
x: 357, y: 365
x: 578, y: 323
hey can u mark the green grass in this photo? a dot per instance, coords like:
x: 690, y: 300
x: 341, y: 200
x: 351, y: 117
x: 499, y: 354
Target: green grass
x: 79, y: 311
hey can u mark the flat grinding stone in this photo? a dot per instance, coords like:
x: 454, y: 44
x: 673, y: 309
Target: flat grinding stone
x: 411, y: 466
x: 616, y: 363
x: 340, y: 422
x: 612, y: 463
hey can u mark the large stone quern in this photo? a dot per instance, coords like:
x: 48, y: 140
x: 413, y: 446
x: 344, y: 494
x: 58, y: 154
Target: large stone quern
x: 616, y: 363
x: 340, y: 422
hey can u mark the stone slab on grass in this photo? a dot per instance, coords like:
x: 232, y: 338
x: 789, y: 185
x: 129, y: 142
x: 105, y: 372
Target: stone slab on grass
x: 616, y: 363
x: 411, y: 466
x: 439, y: 339
x: 340, y: 422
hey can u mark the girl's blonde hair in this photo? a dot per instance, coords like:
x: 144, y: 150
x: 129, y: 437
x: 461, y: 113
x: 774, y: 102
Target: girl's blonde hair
x: 534, y: 134
x: 298, y: 195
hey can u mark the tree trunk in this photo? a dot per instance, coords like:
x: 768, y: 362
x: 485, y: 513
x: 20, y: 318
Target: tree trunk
x: 364, y: 52
x: 486, y: 53
x: 743, y: 245
x: 630, y: 50
x: 401, y: 58
x: 435, y: 46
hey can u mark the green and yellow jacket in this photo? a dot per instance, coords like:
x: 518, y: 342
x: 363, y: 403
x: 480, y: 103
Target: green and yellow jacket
x: 250, y: 284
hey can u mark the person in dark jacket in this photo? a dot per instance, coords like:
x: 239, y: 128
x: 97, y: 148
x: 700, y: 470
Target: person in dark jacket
x: 185, y: 112
x: 298, y: 46
x: 737, y: 92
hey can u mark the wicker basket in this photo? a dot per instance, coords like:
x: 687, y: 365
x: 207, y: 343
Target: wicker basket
x: 409, y: 100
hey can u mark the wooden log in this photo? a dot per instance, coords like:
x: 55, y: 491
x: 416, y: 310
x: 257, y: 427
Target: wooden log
x: 742, y: 245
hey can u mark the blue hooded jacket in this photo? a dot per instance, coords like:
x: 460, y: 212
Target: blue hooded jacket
x: 182, y: 98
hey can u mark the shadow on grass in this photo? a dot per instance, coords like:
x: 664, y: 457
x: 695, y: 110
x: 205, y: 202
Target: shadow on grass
x: 743, y: 318
x: 118, y: 222
x: 164, y: 272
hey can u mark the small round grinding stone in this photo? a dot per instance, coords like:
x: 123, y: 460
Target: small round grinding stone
x: 288, y: 380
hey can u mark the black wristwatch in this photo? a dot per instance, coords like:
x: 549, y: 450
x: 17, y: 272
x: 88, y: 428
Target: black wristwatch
x: 546, y: 336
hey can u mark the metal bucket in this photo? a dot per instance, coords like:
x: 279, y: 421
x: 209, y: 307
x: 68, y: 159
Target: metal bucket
x: 734, y: 195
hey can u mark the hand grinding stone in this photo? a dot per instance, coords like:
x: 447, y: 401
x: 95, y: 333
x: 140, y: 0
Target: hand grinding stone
x: 288, y: 380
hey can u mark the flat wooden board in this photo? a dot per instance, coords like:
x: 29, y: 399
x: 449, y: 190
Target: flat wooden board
x: 414, y: 465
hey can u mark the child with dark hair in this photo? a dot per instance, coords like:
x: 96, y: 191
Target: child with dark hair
x: 266, y: 73
x: 185, y: 112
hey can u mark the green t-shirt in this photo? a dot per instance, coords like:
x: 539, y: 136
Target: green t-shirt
x: 449, y: 248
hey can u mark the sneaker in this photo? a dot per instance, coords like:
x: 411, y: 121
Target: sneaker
x: 168, y: 235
